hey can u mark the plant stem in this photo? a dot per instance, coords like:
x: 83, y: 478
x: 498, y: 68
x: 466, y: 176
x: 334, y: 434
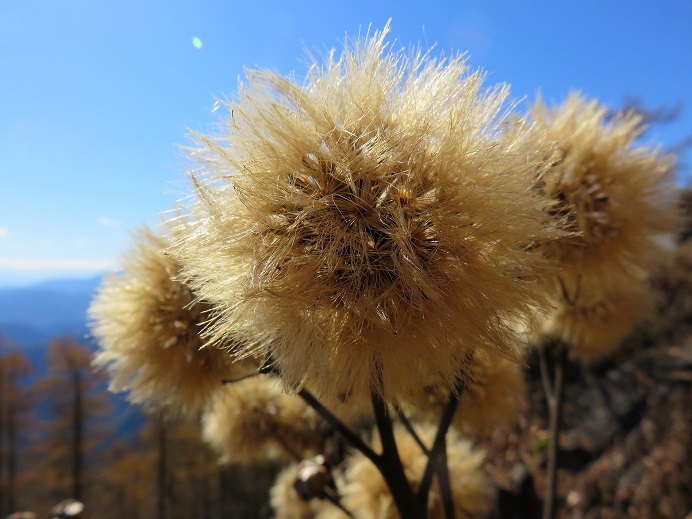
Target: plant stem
x: 439, y: 444
x: 388, y: 462
x: 339, y: 426
x: 390, y: 465
x: 444, y: 482
x: 409, y: 427
x: 554, y: 398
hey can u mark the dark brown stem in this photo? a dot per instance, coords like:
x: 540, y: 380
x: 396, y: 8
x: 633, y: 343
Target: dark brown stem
x: 409, y: 427
x: 439, y: 443
x: 555, y: 415
x: 390, y: 465
x: 445, y: 485
x: 339, y: 426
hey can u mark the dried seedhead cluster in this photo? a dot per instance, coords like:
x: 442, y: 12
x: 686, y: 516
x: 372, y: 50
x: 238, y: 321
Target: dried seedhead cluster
x: 254, y: 419
x: 384, y: 232
x: 617, y: 202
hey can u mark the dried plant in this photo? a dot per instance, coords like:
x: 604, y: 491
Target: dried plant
x: 492, y: 396
x: 618, y: 200
x: 254, y: 419
x: 148, y: 326
x: 369, y: 227
x: 384, y: 233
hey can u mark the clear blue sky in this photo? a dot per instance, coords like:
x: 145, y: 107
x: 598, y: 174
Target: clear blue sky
x: 95, y: 95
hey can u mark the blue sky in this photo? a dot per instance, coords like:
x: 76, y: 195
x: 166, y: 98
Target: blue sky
x: 95, y: 96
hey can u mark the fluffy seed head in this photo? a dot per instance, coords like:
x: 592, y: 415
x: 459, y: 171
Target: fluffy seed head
x: 254, y: 419
x: 288, y: 504
x: 616, y: 196
x: 365, y: 493
x: 370, y: 226
x: 492, y: 395
x: 594, y: 324
x: 618, y: 200
x: 147, y: 325
x: 284, y: 499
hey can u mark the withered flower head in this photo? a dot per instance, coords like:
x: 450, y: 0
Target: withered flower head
x: 285, y: 501
x: 596, y: 321
x: 370, y: 225
x: 147, y: 325
x: 618, y: 200
x: 617, y: 197
x: 254, y: 419
x: 365, y: 493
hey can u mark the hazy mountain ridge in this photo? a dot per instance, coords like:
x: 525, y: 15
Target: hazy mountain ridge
x: 32, y: 315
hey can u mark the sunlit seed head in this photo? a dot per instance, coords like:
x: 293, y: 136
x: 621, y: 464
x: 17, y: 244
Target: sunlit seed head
x: 617, y: 199
x: 148, y: 327
x: 369, y: 222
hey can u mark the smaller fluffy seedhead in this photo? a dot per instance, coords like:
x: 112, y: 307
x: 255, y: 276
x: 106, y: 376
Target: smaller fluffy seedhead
x: 617, y: 201
x: 616, y: 197
x: 365, y: 493
x: 492, y: 395
x: 147, y: 325
x: 596, y: 321
x: 254, y: 419
x: 285, y: 501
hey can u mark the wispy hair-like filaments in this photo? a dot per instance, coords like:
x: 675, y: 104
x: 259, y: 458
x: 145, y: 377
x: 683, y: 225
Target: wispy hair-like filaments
x: 377, y: 218
x: 148, y: 327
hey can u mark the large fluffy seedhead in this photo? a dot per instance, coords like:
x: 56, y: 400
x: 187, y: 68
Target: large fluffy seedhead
x: 147, y: 325
x: 254, y: 419
x: 368, y: 227
x: 365, y: 494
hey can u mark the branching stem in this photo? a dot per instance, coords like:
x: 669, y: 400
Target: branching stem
x: 439, y: 444
x: 554, y: 389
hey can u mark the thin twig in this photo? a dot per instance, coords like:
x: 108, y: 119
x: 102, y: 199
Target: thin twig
x: 238, y: 379
x: 545, y: 374
x: 339, y: 426
x: 555, y: 413
x: 333, y: 498
x: 409, y: 427
x: 423, y: 490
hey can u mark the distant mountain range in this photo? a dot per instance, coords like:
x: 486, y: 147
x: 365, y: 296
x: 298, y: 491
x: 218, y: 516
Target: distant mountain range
x: 30, y: 316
